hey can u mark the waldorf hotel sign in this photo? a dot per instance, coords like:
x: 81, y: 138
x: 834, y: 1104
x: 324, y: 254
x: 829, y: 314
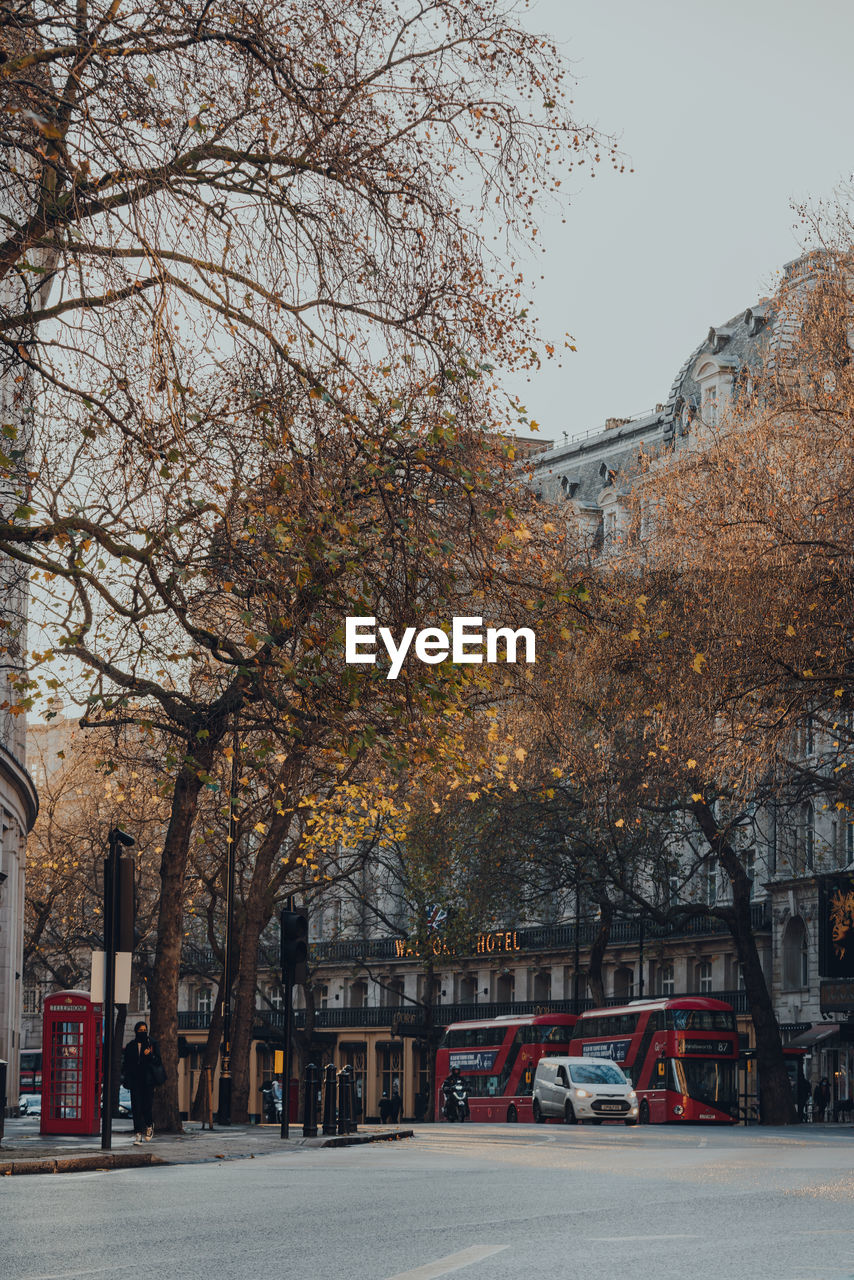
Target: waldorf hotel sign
x: 499, y: 942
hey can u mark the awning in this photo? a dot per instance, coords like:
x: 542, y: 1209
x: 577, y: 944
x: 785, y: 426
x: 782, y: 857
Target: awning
x: 818, y: 1031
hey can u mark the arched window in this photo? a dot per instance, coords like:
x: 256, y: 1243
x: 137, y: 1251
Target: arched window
x: 505, y: 988
x: 624, y: 981
x: 795, y: 956
x: 543, y: 984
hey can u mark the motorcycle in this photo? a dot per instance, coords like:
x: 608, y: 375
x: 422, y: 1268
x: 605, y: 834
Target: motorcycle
x: 457, y: 1102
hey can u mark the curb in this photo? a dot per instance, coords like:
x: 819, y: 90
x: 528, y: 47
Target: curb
x: 76, y: 1164
x: 142, y: 1159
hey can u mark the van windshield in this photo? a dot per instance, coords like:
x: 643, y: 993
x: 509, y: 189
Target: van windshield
x: 596, y: 1073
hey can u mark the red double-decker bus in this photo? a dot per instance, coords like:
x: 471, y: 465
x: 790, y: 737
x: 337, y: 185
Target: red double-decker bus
x: 498, y: 1058
x: 681, y: 1056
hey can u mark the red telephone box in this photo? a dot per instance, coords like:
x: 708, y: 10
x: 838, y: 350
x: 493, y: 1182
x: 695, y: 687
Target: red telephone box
x: 71, y: 1063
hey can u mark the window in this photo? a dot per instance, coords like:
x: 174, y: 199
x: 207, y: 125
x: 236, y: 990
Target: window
x: 324, y: 996
x: 392, y: 993
x: 809, y: 736
x: 624, y: 981
x: 711, y: 885
x: 704, y: 977
x: 749, y: 863
x: 505, y: 988
x: 358, y: 995
x: 795, y: 955
x: 32, y: 998
x: 275, y: 996
x: 204, y: 999
x: 849, y: 841
x: 543, y: 985
x: 665, y: 981
x: 710, y: 406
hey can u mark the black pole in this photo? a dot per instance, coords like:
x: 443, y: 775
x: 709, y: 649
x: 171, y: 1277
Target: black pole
x: 309, y: 1111
x: 575, y: 1008
x: 224, y: 1111
x: 287, y: 989
x: 329, y: 1100
x: 343, y: 1097
x: 640, y: 962
x: 111, y: 882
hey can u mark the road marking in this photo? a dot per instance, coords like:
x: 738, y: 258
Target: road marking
x: 620, y: 1239
x: 74, y: 1275
x: 453, y: 1262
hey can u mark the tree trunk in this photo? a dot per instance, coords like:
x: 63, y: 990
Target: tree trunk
x: 170, y: 934
x: 595, y: 981
x: 776, y: 1103
x: 210, y: 1057
x: 256, y: 917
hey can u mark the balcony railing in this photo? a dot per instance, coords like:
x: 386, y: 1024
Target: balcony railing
x: 536, y: 938
x: 385, y: 1016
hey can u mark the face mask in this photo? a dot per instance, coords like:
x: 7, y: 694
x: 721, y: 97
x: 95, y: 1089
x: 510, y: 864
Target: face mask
x: 141, y: 1037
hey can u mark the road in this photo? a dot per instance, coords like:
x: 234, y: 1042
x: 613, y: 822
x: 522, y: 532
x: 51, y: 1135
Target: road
x: 475, y: 1201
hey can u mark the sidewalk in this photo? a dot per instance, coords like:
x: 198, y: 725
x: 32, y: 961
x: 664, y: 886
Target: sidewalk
x: 25, y: 1150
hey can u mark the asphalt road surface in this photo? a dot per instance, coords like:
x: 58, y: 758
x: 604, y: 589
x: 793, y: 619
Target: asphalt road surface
x: 479, y: 1202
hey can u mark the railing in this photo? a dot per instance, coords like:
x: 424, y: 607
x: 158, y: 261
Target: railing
x: 548, y: 937
x: 552, y: 937
x: 385, y: 1016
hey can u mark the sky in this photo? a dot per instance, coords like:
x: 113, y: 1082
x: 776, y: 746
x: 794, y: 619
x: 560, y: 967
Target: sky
x: 728, y: 112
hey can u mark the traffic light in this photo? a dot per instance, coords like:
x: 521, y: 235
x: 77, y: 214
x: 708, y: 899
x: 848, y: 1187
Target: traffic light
x: 126, y: 904
x: 294, y: 939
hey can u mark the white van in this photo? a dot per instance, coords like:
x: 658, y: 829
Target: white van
x: 583, y: 1089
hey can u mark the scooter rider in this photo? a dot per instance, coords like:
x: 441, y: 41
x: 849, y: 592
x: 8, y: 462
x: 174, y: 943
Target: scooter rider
x: 448, y: 1086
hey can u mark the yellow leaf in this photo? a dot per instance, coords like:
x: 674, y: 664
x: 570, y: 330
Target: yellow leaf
x: 692, y: 764
x: 696, y: 797
x: 520, y: 753
x: 790, y: 630
x: 699, y: 662
x: 621, y: 822
x: 259, y: 826
x: 837, y: 693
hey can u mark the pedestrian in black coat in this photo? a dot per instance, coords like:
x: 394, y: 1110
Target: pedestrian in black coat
x: 142, y: 1071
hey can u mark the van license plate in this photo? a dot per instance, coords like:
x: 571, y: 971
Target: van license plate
x: 611, y: 1106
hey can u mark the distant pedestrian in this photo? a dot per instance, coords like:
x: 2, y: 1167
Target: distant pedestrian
x: 385, y: 1108
x: 820, y: 1099
x: 422, y: 1102
x: 396, y: 1103
x: 142, y: 1072
x: 803, y: 1091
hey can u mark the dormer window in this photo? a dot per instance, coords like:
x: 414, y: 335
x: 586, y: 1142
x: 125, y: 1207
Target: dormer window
x: 710, y: 405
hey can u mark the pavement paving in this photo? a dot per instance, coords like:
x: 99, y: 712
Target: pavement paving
x: 26, y: 1151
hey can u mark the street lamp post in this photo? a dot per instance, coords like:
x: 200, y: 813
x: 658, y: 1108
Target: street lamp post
x: 224, y: 1112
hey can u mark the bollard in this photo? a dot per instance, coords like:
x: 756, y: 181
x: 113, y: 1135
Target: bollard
x: 329, y: 1100
x: 343, y: 1099
x: 309, y: 1112
x: 351, y: 1100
